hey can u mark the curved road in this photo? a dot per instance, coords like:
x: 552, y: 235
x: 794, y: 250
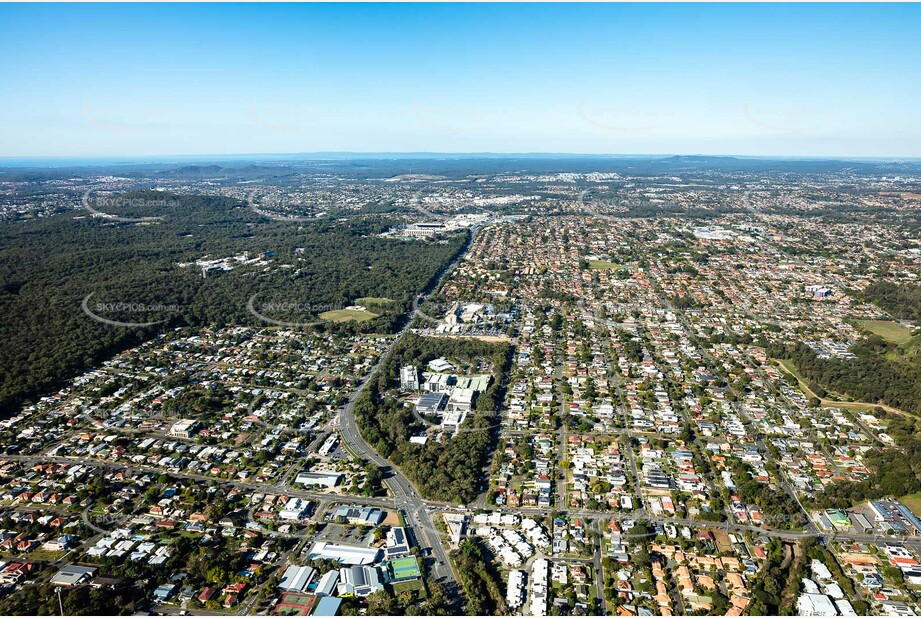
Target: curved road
x: 405, y: 494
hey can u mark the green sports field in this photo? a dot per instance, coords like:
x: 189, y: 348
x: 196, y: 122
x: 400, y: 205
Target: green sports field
x: 888, y: 330
x: 348, y: 315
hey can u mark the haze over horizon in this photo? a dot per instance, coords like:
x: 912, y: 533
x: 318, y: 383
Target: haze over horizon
x: 832, y: 81
x: 296, y: 157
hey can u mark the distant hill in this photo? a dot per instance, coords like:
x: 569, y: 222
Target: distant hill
x: 451, y: 166
x: 193, y: 170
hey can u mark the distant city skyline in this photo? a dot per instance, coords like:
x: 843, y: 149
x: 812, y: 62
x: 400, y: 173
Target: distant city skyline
x: 134, y: 81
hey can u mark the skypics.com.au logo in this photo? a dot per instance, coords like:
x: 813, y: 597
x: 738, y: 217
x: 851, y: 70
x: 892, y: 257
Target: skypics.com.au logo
x: 280, y: 313
x: 107, y: 312
x: 597, y: 206
x: 100, y: 206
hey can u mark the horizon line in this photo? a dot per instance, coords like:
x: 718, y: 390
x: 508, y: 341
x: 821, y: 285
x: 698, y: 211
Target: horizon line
x: 354, y: 154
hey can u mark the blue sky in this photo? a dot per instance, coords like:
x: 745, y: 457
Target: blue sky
x: 752, y: 79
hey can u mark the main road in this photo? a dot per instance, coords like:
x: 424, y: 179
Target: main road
x: 407, y: 497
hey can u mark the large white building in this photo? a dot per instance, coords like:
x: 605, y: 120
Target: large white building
x: 424, y: 230
x: 457, y: 527
x: 360, y: 581
x: 295, y: 509
x: 318, y: 479
x: 397, y: 543
x: 409, y: 378
x: 360, y: 515
x: 461, y: 399
x: 296, y: 578
x: 815, y: 605
x: 327, y: 584
x: 329, y: 445
x: 453, y: 420
x: 184, y: 428
x: 345, y: 554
